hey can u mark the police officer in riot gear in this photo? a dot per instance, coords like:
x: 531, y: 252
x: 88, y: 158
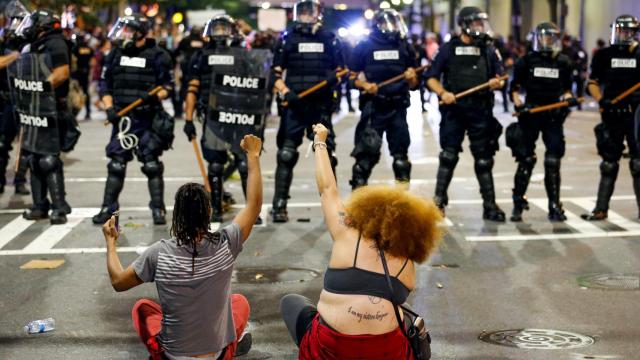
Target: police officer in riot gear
x: 10, y: 44
x: 545, y: 76
x: 220, y: 35
x: 188, y: 46
x: 464, y: 62
x: 44, y: 129
x: 386, y: 53
x: 84, y: 55
x: 304, y: 55
x: 133, y: 68
x: 613, y: 70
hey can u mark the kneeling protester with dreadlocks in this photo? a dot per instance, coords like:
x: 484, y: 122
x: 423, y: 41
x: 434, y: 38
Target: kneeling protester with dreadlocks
x: 208, y: 321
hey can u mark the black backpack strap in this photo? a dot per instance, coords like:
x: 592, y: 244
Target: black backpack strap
x: 393, y: 300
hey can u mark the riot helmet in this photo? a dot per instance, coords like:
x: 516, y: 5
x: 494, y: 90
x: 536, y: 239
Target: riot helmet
x: 14, y: 12
x: 475, y: 23
x: 546, y: 37
x: 37, y: 23
x: 128, y: 30
x: 390, y: 25
x: 624, y: 30
x: 307, y: 14
x: 220, y: 31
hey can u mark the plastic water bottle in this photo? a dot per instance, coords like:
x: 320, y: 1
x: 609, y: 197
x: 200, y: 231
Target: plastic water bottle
x: 40, y: 326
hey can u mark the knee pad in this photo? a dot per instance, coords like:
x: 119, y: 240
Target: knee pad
x: 243, y: 168
x: 49, y: 163
x: 634, y: 166
x: 288, y: 157
x: 551, y: 162
x: 401, y: 163
x: 153, y: 168
x: 216, y: 169
x: 117, y: 167
x: 483, y: 164
x: 529, y: 161
x: 609, y: 167
x: 448, y: 158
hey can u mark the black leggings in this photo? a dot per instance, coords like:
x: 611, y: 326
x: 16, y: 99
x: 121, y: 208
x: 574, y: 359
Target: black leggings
x: 297, y: 312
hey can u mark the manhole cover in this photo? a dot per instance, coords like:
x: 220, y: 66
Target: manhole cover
x: 537, y: 339
x: 611, y: 281
x: 257, y: 275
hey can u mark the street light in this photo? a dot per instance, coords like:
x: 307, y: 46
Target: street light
x: 385, y: 5
x: 407, y: 2
x: 395, y: 2
x: 265, y: 5
x: 368, y: 14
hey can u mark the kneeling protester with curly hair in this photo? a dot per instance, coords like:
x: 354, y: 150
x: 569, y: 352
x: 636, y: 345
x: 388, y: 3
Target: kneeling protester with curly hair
x: 355, y: 316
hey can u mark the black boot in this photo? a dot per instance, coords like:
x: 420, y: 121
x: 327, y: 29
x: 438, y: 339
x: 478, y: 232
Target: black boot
x: 491, y: 210
x: 448, y: 159
x: 4, y: 161
x: 402, y: 168
x: 20, y: 178
x: 521, y: 182
x: 287, y: 159
x: 608, y: 176
x: 40, y: 208
x: 634, y: 166
x: 552, y: 185
x: 115, y: 182
x: 361, y: 171
x: 60, y: 208
x: 153, y: 169
x: 216, y: 198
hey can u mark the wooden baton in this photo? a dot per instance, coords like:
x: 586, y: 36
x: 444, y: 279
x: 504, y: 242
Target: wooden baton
x: 136, y: 103
x: 475, y: 89
x: 543, y: 108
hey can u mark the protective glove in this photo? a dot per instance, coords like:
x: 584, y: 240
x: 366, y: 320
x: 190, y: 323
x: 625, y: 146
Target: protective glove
x: 189, y: 130
x: 522, y: 109
x: 146, y: 98
x: 605, y: 104
x: 332, y: 80
x: 112, y: 116
x: 572, y: 101
x: 291, y: 97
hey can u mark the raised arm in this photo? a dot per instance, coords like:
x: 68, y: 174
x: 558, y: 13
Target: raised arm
x: 332, y: 206
x: 252, y: 146
x: 121, y: 279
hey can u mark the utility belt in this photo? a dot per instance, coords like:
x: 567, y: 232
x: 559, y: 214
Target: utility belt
x: 385, y: 101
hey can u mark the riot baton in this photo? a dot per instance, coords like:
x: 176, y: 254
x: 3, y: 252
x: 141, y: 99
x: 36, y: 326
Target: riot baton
x: 624, y: 94
x: 401, y: 76
x: 196, y: 149
x: 19, y: 151
x: 318, y: 86
x: 548, y: 107
x: 475, y: 89
x: 136, y: 103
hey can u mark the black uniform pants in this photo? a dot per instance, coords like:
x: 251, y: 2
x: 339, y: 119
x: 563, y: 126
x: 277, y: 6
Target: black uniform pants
x: 550, y: 125
x: 478, y: 123
x: 47, y: 175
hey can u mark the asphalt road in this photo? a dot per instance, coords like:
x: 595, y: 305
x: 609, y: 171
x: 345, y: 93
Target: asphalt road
x: 485, y: 277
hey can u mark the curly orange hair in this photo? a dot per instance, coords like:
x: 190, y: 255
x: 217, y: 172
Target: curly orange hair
x: 402, y: 224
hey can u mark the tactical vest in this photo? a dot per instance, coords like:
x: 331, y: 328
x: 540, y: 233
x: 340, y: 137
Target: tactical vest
x: 622, y: 72
x: 544, y: 83
x: 386, y: 59
x: 309, y: 60
x: 134, y: 75
x: 468, y: 67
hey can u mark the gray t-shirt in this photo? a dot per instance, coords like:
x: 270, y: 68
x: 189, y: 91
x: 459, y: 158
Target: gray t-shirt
x: 196, y: 307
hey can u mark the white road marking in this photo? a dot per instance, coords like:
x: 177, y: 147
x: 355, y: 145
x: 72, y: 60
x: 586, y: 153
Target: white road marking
x: 583, y: 235
x: 13, y: 229
x: 573, y: 220
x: 50, y: 237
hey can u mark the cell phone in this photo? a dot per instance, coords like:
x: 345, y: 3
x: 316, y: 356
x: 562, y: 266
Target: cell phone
x: 117, y: 215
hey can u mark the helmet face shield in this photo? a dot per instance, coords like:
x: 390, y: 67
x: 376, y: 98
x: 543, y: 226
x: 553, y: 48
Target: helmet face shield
x: 14, y: 12
x: 25, y: 26
x: 391, y: 23
x: 126, y: 30
x: 546, y: 40
x: 623, y: 35
x: 478, y: 25
x: 307, y: 12
x: 220, y: 29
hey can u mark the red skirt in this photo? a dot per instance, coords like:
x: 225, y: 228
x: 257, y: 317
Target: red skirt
x: 321, y: 342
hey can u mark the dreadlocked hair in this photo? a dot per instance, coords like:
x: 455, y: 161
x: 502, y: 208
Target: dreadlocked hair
x: 191, y: 214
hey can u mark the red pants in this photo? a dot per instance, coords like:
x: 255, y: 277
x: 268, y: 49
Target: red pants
x: 147, y: 317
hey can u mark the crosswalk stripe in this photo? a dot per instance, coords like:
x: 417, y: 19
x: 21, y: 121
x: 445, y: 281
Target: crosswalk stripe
x: 613, y: 217
x: 50, y: 237
x: 13, y: 229
x: 517, y: 237
x: 573, y: 220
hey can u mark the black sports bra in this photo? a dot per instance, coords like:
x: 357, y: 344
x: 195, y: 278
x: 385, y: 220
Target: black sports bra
x: 356, y: 281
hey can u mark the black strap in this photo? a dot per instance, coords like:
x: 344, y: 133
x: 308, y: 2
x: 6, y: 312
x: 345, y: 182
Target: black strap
x: 355, y: 258
x: 402, y: 268
x: 393, y: 300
